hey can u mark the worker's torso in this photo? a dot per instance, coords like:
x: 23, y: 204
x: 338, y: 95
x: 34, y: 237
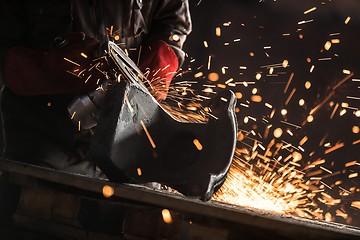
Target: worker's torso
x: 125, y: 22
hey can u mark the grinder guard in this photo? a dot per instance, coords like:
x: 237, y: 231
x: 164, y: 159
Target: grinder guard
x: 166, y: 154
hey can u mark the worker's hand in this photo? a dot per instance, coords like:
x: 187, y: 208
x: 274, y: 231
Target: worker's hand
x: 160, y: 63
x: 67, y: 67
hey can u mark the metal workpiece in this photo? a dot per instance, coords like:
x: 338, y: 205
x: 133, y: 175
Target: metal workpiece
x: 137, y: 141
x: 145, y: 144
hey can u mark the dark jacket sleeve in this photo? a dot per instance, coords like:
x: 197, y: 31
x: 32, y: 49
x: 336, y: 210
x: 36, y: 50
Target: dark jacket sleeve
x: 13, y: 25
x: 172, y: 17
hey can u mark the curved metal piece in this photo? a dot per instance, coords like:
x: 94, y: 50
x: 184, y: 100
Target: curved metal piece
x: 136, y: 141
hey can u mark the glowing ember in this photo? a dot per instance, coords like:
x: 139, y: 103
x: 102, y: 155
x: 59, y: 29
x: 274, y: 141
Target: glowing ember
x: 197, y: 144
x: 218, y: 31
x: 107, y: 191
x: 139, y: 172
x: 355, y: 129
x: 238, y: 95
x: 166, y: 216
x: 310, y: 10
x: 213, y: 77
x: 256, y: 98
x: 301, y: 102
x: 285, y: 63
x: 153, y: 145
x: 347, y: 20
x: 278, y: 132
x: 258, y: 76
x: 327, y: 46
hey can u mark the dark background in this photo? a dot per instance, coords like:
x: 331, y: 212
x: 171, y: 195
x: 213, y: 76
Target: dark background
x: 262, y: 23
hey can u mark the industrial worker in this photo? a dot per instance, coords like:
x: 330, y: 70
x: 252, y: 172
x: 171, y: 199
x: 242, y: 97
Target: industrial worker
x: 44, y: 45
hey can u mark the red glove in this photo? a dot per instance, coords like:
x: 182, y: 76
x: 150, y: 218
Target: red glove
x: 162, y: 63
x: 30, y: 72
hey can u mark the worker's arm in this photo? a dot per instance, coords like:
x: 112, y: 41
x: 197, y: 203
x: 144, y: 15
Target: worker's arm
x: 162, y: 52
x: 29, y: 71
x: 13, y: 25
x: 172, y: 23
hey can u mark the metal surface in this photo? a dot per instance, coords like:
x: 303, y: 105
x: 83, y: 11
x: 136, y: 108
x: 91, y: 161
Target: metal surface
x: 137, y: 141
x: 245, y: 221
x: 82, y: 109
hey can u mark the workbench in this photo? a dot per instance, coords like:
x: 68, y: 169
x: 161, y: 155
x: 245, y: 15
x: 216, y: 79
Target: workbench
x: 50, y: 200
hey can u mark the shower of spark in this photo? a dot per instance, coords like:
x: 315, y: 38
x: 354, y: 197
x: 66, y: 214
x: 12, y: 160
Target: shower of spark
x: 278, y: 165
x: 272, y: 191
